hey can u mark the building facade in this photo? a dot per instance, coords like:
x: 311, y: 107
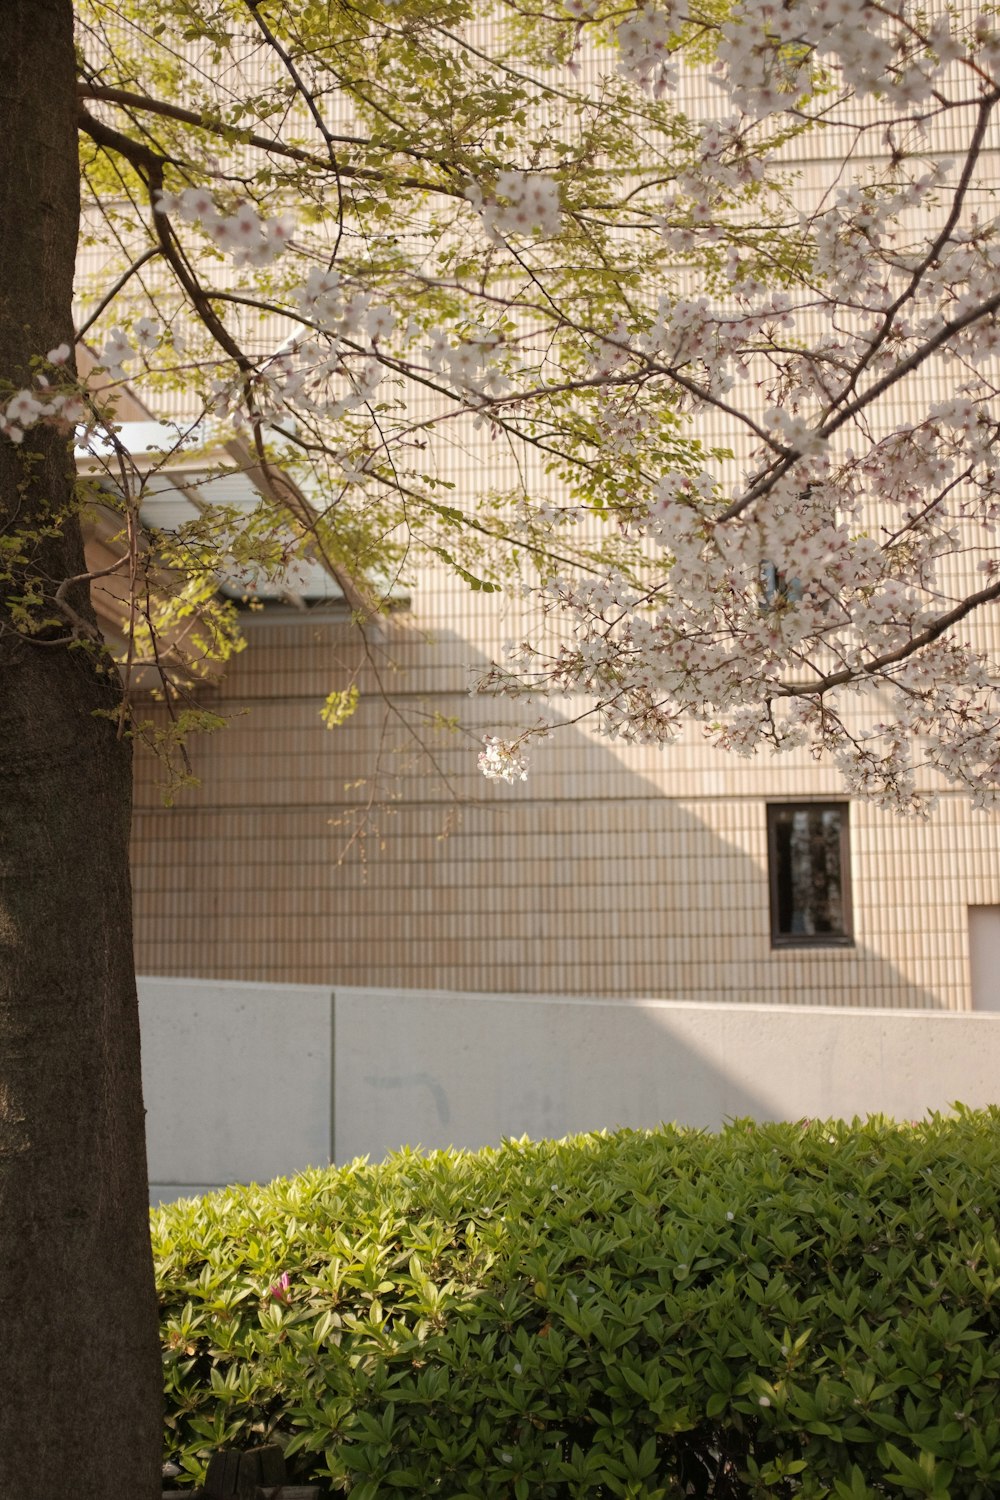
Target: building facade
x: 374, y: 854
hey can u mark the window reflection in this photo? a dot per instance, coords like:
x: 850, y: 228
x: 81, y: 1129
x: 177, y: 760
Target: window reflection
x: 808, y: 861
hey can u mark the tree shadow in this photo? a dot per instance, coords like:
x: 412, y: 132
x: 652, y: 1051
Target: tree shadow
x: 632, y: 877
x: 613, y: 872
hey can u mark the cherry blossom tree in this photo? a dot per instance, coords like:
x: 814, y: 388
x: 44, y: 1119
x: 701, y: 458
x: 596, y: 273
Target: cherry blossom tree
x: 707, y: 276
x: 612, y: 263
x: 829, y: 588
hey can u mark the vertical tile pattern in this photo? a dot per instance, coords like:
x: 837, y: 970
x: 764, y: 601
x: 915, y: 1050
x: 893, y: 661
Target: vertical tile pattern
x: 375, y: 855
x: 611, y: 871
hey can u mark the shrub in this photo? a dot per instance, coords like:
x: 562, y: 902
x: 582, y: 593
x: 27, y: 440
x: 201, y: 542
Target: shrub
x: 780, y: 1310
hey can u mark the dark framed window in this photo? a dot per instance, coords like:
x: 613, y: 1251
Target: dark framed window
x: 809, y: 872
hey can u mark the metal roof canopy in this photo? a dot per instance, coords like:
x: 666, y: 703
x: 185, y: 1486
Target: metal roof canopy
x: 179, y: 487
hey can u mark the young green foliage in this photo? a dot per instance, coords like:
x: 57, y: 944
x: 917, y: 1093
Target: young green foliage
x: 783, y: 1310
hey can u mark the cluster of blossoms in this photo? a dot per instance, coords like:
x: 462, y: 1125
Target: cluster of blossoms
x: 727, y: 165
x: 697, y: 336
x: 64, y: 409
x: 856, y: 253
x: 794, y: 432
x: 614, y: 352
x: 309, y: 378
x: 535, y: 521
x: 624, y: 425
x: 752, y: 605
x: 503, y: 760
x: 531, y: 206
x: 251, y: 240
x: 646, y: 41
x: 472, y: 366
x: 768, y: 54
x: 119, y: 349
x: 342, y: 311
x: 332, y: 371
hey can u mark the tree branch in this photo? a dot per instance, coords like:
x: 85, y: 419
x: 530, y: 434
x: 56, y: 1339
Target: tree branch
x: 891, y: 658
x: 941, y: 239
x: 113, y: 291
x: 169, y: 111
x: 267, y: 143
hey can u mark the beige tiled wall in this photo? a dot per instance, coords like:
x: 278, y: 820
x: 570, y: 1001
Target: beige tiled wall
x: 611, y: 871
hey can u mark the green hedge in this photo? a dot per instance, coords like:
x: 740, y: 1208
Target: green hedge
x: 777, y: 1310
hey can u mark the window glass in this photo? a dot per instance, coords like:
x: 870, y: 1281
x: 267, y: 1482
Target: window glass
x: 809, y: 875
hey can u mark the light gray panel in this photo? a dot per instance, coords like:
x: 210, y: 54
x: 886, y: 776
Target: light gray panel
x: 236, y: 1078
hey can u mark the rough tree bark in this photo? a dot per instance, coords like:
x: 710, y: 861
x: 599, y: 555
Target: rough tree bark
x: 79, y: 1362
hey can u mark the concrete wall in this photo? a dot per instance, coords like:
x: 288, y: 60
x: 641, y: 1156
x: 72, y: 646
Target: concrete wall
x: 246, y: 1082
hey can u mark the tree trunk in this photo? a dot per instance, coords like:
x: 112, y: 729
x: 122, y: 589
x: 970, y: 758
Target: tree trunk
x: 79, y: 1358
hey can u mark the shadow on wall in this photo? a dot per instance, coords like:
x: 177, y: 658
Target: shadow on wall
x: 640, y: 873
x: 466, y: 1070
x: 246, y: 1082
x: 235, y: 1096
